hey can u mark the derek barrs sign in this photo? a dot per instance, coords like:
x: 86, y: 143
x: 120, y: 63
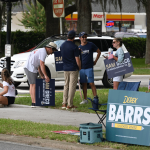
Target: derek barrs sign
x: 45, y: 92
x: 128, y: 117
x: 114, y: 68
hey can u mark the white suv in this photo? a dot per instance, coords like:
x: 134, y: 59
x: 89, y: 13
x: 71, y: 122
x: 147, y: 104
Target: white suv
x: 18, y: 60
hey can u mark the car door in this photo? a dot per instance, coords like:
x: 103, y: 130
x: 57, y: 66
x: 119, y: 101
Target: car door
x: 99, y: 67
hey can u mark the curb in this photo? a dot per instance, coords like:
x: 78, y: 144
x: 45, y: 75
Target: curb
x: 49, y: 143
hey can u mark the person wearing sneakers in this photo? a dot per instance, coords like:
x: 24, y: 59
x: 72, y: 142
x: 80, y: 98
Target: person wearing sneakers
x: 35, y: 63
x: 86, y: 73
x: 71, y: 66
x: 7, y: 96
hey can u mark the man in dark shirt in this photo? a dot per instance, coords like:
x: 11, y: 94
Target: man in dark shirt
x: 71, y: 66
x: 86, y: 73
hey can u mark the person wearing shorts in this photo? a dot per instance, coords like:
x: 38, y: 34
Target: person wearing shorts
x: 7, y: 96
x: 119, y: 56
x: 86, y: 73
x: 35, y: 63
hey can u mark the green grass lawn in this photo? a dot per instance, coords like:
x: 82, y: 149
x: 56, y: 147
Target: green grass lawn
x: 102, y: 94
x: 41, y: 130
x: 140, y: 68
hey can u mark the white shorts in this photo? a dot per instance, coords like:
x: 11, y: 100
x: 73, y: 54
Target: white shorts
x: 118, y: 79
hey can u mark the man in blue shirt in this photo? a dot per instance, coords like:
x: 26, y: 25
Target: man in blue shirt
x: 86, y: 73
x: 71, y: 66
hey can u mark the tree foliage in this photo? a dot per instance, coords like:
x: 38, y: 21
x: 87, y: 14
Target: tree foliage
x: 34, y: 17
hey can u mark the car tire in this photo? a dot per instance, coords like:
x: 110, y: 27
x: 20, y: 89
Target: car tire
x: 108, y: 83
x: 48, y: 72
x: 16, y: 84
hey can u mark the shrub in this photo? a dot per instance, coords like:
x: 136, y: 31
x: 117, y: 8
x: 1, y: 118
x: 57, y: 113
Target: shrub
x: 22, y: 41
x: 135, y: 46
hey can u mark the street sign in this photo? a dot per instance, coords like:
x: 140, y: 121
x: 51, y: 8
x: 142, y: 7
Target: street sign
x: 7, y: 50
x: 58, y: 8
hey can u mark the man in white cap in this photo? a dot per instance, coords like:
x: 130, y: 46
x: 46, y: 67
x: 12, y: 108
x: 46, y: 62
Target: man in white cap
x: 35, y: 63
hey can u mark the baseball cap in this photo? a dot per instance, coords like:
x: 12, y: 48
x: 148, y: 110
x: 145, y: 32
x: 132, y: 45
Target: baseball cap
x: 82, y: 33
x: 71, y: 34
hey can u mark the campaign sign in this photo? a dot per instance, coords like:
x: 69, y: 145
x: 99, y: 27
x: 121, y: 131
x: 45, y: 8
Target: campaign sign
x: 114, y: 68
x: 45, y: 92
x: 128, y: 117
x: 58, y: 61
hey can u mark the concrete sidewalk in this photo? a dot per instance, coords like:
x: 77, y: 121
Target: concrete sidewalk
x: 47, y: 115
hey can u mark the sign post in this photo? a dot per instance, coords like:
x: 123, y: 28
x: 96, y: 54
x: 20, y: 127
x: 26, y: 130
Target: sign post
x: 58, y: 11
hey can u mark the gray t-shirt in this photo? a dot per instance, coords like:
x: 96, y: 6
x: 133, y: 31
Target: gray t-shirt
x: 33, y: 61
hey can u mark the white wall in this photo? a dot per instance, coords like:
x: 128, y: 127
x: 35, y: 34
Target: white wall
x: 15, y: 23
x: 140, y: 19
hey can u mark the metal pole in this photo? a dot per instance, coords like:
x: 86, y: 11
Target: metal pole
x: 8, y: 35
x: 61, y: 26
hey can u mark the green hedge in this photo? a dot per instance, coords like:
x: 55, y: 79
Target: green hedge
x: 22, y: 41
x: 135, y: 46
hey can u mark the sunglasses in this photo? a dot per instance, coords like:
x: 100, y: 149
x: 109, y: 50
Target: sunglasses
x: 84, y: 36
x: 113, y: 42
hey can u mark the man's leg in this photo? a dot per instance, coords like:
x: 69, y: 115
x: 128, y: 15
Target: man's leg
x: 83, y: 80
x: 93, y: 89
x: 32, y: 92
x: 84, y: 86
x: 115, y: 85
x: 72, y: 86
x: 66, y: 89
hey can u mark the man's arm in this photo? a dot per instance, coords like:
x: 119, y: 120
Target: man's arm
x: 40, y: 72
x: 98, y: 55
x: 78, y: 62
x: 42, y: 65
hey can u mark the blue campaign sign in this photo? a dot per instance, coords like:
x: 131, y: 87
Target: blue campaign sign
x: 58, y: 61
x: 114, y: 68
x: 128, y: 117
x: 45, y: 92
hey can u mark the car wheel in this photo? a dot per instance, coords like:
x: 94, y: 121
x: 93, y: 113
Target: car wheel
x: 48, y: 73
x: 17, y: 84
x: 108, y: 83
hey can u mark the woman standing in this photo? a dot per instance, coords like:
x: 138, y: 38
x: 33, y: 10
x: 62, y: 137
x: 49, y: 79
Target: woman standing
x: 119, y: 56
x: 7, y: 96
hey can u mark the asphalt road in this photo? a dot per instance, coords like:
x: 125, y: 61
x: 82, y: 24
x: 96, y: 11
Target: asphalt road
x: 16, y: 146
x: 23, y: 88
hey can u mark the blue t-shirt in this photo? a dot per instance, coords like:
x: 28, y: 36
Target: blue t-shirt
x: 86, y: 54
x: 69, y: 51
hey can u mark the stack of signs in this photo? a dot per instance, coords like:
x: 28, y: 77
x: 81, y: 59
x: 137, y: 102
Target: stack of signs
x: 45, y: 92
x: 128, y: 117
x: 114, y: 68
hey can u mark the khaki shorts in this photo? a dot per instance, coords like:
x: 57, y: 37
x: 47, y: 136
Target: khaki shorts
x: 31, y: 76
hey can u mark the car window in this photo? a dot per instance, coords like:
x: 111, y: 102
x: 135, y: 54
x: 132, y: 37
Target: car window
x: 46, y: 41
x: 105, y: 45
x: 96, y: 42
x: 77, y: 42
x: 127, y: 35
x: 142, y: 36
x: 109, y: 43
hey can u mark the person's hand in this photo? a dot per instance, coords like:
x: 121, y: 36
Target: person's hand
x: 94, y: 62
x: 47, y: 79
x: 105, y: 56
x: 42, y: 77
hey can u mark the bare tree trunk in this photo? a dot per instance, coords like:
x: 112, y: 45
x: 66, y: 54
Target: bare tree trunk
x: 84, y: 16
x: 53, y: 24
x: 147, y: 56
